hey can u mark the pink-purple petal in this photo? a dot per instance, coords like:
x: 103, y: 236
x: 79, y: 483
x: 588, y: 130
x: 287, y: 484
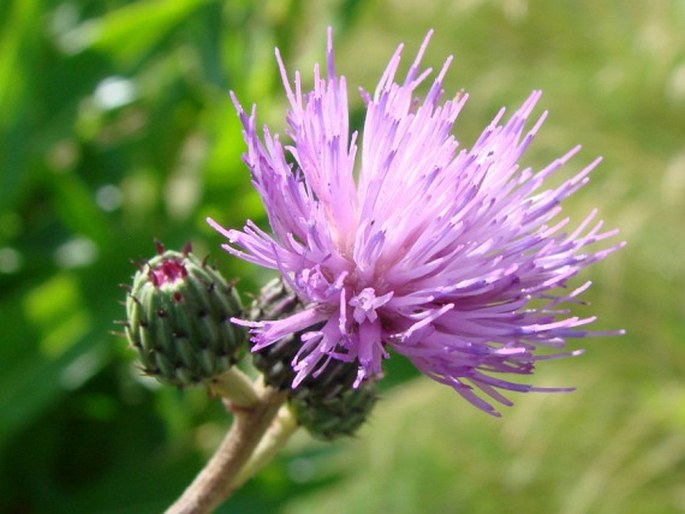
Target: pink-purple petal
x: 402, y: 238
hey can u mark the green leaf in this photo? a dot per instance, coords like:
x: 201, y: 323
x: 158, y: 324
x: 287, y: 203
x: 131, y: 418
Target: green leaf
x: 129, y: 33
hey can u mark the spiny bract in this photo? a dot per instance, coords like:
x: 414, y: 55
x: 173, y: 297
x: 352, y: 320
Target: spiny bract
x: 178, y: 319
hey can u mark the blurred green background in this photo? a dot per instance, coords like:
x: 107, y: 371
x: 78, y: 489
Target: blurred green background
x: 116, y: 128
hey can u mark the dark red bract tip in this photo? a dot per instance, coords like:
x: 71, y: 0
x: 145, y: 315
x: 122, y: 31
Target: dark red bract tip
x: 168, y: 272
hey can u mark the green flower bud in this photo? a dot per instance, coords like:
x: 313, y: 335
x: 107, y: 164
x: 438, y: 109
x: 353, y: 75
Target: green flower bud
x: 178, y: 319
x: 328, y: 406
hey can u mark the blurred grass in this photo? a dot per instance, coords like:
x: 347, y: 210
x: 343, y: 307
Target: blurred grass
x: 116, y: 128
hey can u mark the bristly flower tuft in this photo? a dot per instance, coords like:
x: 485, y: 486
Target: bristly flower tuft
x: 453, y: 257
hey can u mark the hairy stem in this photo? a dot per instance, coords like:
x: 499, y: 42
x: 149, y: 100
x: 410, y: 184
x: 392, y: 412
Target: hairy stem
x: 217, y: 480
x: 273, y: 441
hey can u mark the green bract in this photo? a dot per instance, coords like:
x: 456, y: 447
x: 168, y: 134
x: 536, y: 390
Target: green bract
x: 328, y: 405
x: 179, y: 312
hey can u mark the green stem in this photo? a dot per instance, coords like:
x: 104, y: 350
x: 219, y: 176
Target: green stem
x: 236, y: 387
x: 275, y: 438
x: 216, y: 480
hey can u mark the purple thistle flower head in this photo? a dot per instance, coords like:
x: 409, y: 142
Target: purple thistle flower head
x: 455, y: 258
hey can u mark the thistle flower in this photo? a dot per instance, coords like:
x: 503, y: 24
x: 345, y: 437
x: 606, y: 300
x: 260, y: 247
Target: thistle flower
x: 452, y: 257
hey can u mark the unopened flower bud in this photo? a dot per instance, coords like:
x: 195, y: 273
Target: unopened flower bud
x: 178, y: 319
